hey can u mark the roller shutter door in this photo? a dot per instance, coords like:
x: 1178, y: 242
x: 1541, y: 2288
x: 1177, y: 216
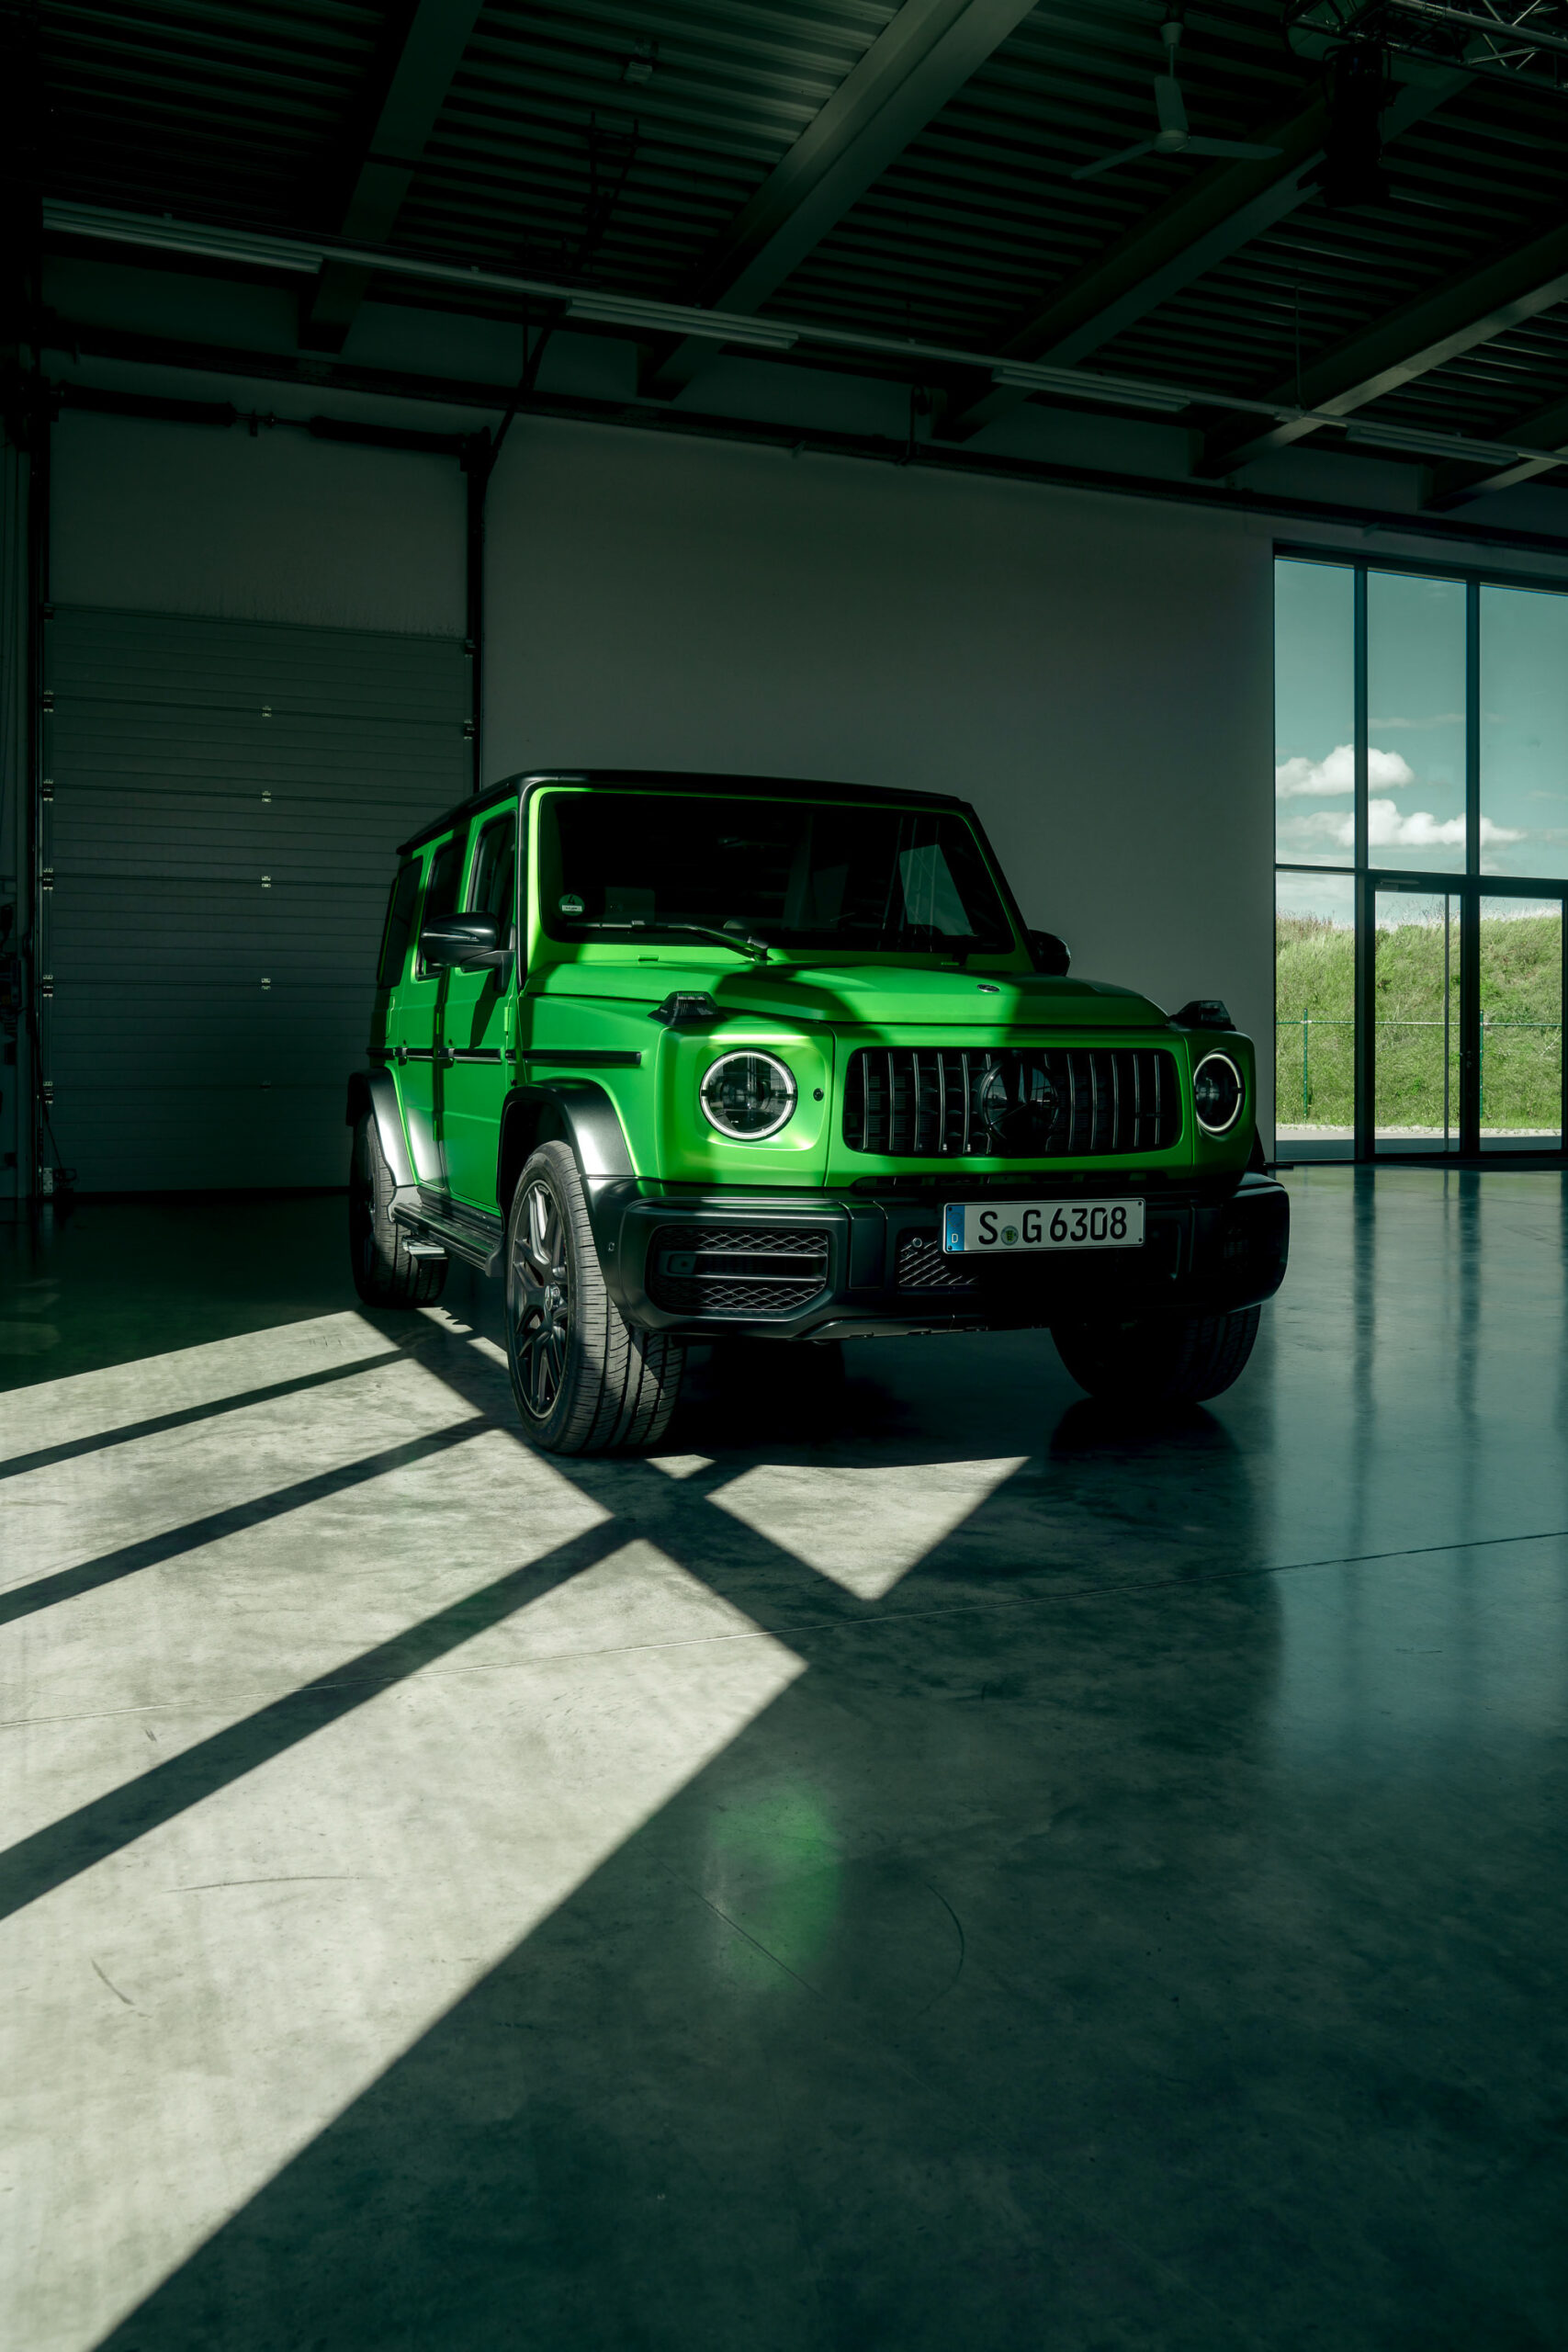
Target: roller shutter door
x: 226, y: 799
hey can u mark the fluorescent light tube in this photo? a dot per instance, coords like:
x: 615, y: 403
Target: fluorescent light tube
x: 1072, y: 383
x: 666, y: 318
x: 1430, y: 444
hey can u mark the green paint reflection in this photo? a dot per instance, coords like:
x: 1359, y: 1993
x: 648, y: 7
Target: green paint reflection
x: 774, y: 1875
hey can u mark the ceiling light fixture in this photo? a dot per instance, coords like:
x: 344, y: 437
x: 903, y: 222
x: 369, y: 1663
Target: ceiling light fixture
x: 1432, y: 445
x: 666, y: 318
x: 1072, y: 383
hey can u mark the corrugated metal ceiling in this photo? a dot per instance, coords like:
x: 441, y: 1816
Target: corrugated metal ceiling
x: 546, y: 156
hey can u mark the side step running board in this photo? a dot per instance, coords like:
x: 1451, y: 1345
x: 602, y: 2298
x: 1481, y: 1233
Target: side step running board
x: 477, y: 1244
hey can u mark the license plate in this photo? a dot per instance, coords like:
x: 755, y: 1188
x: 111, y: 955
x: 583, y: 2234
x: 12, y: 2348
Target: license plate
x: 1000, y: 1227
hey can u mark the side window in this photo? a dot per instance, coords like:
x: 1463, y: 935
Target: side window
x: 491, y: 884
x: 398, y: 926
x: 441, y: 887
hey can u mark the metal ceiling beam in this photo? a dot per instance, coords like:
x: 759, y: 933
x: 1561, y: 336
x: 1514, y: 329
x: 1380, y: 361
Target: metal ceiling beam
x: 1207, y: 221
x: 437, y: 34
x: 1514, y: 286
x: 73, y: 339
x: 1458, y: 485
x: 920, y: 60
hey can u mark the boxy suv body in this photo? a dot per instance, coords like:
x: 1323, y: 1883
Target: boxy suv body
x: 684, y: 1058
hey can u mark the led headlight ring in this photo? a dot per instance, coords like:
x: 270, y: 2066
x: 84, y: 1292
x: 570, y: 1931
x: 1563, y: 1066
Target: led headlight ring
x: 1217, y: 1094
x: 747, y: 1096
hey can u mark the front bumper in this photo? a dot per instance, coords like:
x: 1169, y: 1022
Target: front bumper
x: 698, y: 1261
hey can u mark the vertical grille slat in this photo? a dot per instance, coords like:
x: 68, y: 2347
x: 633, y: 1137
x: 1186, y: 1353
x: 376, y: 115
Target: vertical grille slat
x: 1031, y: 1103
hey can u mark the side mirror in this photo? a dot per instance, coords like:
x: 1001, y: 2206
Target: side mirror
x: 1048, y: 954
x: 462, y: 942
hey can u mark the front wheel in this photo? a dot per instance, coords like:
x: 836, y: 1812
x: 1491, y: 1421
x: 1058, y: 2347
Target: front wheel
x: 1151, y: 1361
x: 584, y: 1382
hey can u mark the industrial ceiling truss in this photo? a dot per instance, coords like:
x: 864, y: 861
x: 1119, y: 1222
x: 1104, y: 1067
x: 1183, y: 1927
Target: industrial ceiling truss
x: 1343, y: 230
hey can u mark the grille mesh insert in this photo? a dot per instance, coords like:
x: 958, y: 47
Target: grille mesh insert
x: 1048, y: 1103
x: 922, y: 1266
x: 736, y: 1270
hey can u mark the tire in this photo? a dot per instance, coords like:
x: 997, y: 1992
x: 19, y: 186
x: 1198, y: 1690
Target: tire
x: 585, y: 1383
x: 384, y: 1273
x: 1159, y: 1360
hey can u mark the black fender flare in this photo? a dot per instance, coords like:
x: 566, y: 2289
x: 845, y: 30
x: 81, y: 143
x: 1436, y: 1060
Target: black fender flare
x: 574, y: 1111
x: 376, y: 1090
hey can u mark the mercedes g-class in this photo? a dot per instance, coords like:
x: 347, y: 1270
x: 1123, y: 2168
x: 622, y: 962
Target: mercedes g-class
x: 687, y: 1058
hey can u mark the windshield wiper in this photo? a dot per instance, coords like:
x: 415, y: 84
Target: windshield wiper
x: 754, y: 950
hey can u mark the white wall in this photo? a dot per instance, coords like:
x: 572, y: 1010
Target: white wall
x: 180, y: 518
x: 1094, y: 673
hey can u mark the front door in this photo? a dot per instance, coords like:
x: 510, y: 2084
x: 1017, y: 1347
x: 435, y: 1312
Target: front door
x: 473, y: 1038
x: 415, y: 1013
x: 1466, y: 1017
x: 1419, y: 976
x: 1519, y: 1056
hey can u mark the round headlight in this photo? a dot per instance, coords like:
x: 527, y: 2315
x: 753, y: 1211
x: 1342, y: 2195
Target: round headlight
x: 747, y: 1096
x: 1216, y: 1093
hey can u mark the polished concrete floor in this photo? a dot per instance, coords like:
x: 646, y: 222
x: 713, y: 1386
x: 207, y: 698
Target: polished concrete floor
x: 918, y: 1865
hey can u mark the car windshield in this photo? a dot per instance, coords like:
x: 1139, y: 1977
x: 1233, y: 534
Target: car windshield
x: 792, y: 872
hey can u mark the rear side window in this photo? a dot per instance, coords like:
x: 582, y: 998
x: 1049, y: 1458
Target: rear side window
x: 491, y: 885
x: 441, y: 888
x: 398, y: 925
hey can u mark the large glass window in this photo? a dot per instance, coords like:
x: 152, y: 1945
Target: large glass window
x: 1421, y: 797
x: 1315, y: 1012
x: 1416, y: 731
x: 1314, y: 714
x: 1524, y: 732
x: 1520, y: 1061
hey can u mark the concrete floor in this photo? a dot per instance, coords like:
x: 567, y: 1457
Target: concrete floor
x: 921, y: 1867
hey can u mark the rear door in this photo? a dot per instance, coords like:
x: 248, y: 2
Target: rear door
x: 472, y: 1073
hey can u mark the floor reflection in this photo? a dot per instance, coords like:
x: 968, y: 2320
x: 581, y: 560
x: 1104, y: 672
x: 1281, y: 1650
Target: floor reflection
x: 926, y: 1861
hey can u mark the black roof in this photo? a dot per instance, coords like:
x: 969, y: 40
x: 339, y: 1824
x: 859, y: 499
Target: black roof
x: 758, y: 787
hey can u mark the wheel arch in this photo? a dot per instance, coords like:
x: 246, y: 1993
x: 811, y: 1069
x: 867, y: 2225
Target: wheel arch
x: 573, y: 1111
x: 376, y: 1092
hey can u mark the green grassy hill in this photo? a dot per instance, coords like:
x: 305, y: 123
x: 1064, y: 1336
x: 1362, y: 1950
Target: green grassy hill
x: 1521, y: 966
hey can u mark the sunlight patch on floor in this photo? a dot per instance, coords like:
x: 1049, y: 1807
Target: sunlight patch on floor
x: 101, y: 1687
x: 87, y: 1404
x: 193, y: 2011
x: 865, y: 1526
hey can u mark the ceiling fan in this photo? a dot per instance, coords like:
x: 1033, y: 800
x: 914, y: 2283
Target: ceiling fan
x: 1173, y: 137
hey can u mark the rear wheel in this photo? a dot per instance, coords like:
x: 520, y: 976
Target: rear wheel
x: 384, y: 1273
x: 585, y: 1383
x: 1159, y: 1360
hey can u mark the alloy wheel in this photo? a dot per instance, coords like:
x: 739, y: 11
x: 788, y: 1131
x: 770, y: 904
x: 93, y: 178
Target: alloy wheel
x: 541, y: 1303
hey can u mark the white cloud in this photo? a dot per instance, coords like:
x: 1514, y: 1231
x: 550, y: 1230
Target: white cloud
x: 1302, y: 778
x: 1387, y: 827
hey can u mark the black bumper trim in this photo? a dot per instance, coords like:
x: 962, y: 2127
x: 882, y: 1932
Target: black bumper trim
x: 1210, y: 1250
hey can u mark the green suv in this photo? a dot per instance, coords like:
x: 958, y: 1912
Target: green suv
x: 684, y: 1058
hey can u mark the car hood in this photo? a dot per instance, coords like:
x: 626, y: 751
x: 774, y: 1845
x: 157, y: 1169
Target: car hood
x: 870, y: 996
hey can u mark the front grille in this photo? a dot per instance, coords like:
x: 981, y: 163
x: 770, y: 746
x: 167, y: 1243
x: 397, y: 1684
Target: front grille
x: 735, y: 1269
x: 922, y: 1266
x: 1024, y: 1102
